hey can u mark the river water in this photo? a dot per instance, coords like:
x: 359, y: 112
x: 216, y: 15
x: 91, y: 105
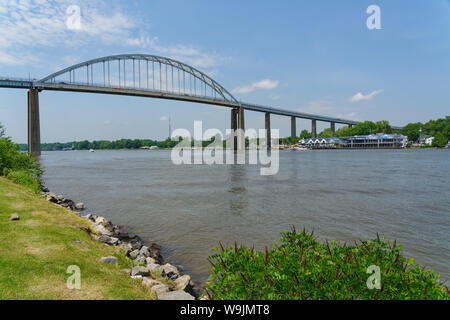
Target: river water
x: 341, y: 194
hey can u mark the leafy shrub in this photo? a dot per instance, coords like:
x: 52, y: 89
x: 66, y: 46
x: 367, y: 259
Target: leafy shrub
x: 18, y: 166
x: 24, y: 178
x: 301, y: 267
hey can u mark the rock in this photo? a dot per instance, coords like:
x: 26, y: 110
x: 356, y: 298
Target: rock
x: 136, y: 245
x: 101, y: 229
x: 170, y: 271
x: 150, y: 260
x: 144, y: 251
x: 103, y: 221
x: 128, y: 249
x: 140, y: 271
x: 140, y: 258
x: 134, y: 254
x: 183, y: 283
x: 53, y: 197
x: 114, y: 241
x: 79, y: 206
x: 14, y: 217
x: 160, y: 289
x: 89, y: 217
x: 109, y: 260
x: 148, y: 282
x: 122, y: 235
x: 153, y: 267
x: 127, y: 271
x: 44, y: 189
x: 175, y: 295
x: 108, y: 240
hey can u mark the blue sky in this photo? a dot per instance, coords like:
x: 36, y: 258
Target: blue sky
x: 312, y: 56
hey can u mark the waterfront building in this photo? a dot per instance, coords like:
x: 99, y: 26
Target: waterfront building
x: 425, y: 140
x: 376, y: 141
x: 373, y: 141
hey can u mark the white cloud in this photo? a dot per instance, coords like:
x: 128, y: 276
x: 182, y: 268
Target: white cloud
x: 275, y: 97
x: 349, y: 116
x: 29, y: 25
x: 359, y: 96
x: 266, y: 84
x: 164, y: 118
x: 319, y: 106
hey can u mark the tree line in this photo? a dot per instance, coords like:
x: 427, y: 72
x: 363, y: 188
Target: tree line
x: 439, y: 129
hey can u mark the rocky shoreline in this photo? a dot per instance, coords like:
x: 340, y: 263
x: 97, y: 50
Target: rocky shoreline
x: 165, y: 280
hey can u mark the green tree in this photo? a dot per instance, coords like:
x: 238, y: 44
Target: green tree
x: 2, y: 131
x: 344, y: 132
x: 364, y: 128
x: 439, y: 140
x: 383, y: 127
x: 20, y: 167
x: 305, y: 134
x: 412, y: 131
x: 326, y: 133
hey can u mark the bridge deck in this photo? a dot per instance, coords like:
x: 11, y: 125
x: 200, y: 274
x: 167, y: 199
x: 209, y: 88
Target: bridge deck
x: 61, y: 86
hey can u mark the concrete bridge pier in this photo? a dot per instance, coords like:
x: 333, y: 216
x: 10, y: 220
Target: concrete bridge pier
x: 333, y: 127
x: 241, y: 131
x: 268, y: 135
x: 293, y: 127
x: 314, y: 128
x: 34, y: 131
x: 233, y: 138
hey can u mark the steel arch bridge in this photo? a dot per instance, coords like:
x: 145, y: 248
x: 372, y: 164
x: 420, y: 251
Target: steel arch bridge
x: 147, y: 76
x: 139, y: 75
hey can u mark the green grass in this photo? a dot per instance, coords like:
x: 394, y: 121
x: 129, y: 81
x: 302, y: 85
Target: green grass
x: 36, y: 251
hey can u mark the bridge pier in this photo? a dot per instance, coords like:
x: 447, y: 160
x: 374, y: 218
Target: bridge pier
x: 293, y: 127
x: 34, y: 132
x: 233, y: 138
x: 241, y: 131
x: 350, y: 126
x: 268, y: 135
x: 314, y: 128
x: 333, y: 127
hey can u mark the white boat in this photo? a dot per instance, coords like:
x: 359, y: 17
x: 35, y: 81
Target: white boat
x: 91, y: 150
x: 299, y: 149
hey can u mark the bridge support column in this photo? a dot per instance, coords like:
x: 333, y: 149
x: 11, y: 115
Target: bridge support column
x: 350, y: 126
x: 314, y: 128
x: 233, y: 138
x: 293, y: 127
x: 34, y: 132
x: 333, y: 127
x: 268, y: 135
x: 241, y: 131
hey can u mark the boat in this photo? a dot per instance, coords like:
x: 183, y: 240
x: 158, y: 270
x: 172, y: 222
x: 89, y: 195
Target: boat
x: 91, y: 150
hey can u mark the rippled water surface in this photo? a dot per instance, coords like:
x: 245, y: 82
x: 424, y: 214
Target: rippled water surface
x: 345, y: 195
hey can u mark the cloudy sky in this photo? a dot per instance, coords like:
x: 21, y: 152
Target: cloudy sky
x: 312, y: 56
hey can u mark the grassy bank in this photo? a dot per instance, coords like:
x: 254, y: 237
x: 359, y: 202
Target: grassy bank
x: 36, y: 251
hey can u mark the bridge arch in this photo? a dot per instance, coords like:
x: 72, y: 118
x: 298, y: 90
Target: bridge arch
x: 147, y: 73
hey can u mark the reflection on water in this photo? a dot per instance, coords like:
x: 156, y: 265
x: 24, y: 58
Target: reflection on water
x: 345, y: 195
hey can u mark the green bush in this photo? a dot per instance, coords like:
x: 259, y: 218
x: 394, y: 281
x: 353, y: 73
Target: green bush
x: 18, y: 166
x: 24, y: 178
x: 301, y: 267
